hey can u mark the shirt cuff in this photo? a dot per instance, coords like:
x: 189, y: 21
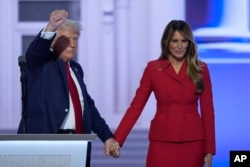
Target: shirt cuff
x: 47, y: 35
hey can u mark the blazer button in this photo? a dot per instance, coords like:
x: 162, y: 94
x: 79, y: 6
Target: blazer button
x: 66, y: 110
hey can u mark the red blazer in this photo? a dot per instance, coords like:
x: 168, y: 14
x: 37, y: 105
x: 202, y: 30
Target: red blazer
x: 181, y: 115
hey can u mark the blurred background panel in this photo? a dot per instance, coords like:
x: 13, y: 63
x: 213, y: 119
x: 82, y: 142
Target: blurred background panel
x: 39, y: 10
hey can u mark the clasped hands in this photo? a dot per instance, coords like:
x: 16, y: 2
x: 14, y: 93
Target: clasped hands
x: 112, y: 148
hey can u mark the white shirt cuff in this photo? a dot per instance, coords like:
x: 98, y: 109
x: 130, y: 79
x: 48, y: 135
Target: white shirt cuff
x: 47, y: 35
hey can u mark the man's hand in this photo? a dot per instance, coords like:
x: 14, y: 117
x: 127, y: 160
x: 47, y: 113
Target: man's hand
x: 112, y: 148
x: 57, y: 18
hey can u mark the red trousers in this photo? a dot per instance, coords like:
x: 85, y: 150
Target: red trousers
x: 171, y: 154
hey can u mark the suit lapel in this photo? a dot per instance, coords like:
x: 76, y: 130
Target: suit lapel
x: 169, y: 70
x: 62, y: 68
x: 76, y: 72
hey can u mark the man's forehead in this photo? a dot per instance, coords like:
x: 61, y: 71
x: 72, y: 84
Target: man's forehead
x: 68, y: 33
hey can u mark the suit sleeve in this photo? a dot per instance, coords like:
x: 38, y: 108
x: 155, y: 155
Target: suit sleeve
x: 38, y: 52
x: 207, y: 112
x: 97, y: 124
x: 135, y: 109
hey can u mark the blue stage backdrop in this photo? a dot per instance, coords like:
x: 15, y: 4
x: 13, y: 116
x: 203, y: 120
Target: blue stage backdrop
x: 224, y: 43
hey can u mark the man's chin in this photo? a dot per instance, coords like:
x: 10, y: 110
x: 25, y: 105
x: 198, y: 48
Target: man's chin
x: 66, y: 58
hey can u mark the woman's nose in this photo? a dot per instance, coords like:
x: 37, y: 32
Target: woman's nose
x: 179, y: 45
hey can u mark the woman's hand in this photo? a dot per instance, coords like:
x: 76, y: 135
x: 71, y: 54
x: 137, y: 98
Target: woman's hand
x: 208, y: 159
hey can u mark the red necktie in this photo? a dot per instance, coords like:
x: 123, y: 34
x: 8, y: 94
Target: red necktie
x: 76, y: 102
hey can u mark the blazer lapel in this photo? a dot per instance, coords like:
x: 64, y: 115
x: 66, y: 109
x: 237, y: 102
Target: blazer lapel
x: 76, y: 72
x: 62, y: 68
x: 78, y: 75
x: 169, y: 70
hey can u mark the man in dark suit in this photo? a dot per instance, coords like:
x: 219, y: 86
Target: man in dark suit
x: 50, y: 107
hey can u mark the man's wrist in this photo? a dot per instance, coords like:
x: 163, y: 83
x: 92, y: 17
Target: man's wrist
x: 47, y: 34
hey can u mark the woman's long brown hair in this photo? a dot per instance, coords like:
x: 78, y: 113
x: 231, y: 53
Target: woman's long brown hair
x: 194, y: 69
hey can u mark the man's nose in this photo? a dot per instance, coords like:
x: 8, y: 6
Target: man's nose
x: 71, y: 42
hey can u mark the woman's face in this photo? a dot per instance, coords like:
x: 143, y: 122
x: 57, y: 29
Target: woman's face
x: 178, y: 46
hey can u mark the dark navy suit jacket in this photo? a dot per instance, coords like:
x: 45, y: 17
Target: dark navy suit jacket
x: 47, y: 94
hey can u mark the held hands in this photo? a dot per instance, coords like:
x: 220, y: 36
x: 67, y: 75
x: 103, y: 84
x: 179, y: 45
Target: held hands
x: 57, y: 18
x: 112, y: 148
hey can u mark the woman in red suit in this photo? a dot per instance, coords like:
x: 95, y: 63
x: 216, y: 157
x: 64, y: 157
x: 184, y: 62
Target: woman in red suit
x: 182, y: 132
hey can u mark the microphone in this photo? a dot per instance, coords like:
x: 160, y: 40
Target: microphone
x: 21, y: 60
